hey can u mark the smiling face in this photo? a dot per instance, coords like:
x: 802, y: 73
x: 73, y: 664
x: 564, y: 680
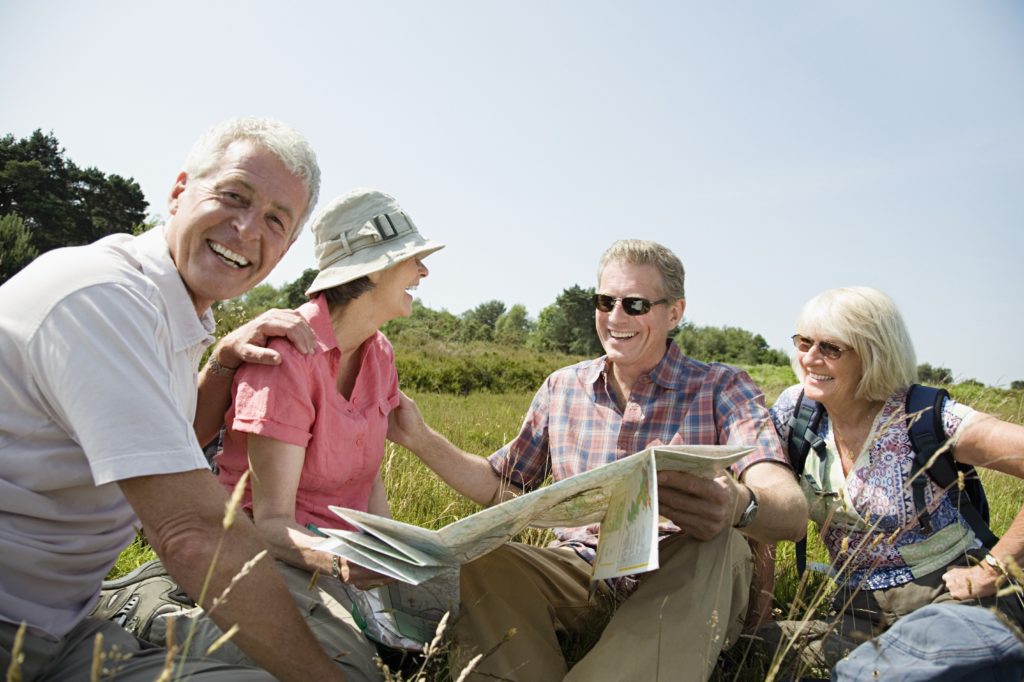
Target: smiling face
x: 635, y: 344
x: 830, y: 381
x: 231, y: 226
x: 392, y: 295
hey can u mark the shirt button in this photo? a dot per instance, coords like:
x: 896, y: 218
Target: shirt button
x: 359, y: 442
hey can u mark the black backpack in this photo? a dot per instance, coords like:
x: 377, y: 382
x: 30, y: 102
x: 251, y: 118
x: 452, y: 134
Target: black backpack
x: 927, y: 436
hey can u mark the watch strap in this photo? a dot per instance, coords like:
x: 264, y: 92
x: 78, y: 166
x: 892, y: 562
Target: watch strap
x: 750, y: 512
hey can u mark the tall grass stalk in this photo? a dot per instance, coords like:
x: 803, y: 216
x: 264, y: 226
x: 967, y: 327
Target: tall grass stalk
x: 230, y: 510
x: 17, y: 654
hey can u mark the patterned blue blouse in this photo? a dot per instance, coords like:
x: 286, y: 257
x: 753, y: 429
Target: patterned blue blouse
x: 867, y: 518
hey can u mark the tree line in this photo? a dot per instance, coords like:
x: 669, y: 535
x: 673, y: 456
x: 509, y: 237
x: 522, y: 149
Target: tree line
x: 565, y: 327
x: 48, y: 201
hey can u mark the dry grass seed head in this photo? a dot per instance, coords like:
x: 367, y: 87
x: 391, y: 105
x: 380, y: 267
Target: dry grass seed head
x: 245, y: 570
x: 235, y: 501
x: 223, y: 639
x: 97, y: 658
x: 17, y: 654
x: 438, y: 634
x: 470, y: 667
x: 313, y: 580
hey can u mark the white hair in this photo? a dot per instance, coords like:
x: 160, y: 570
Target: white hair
x: 287, y: 144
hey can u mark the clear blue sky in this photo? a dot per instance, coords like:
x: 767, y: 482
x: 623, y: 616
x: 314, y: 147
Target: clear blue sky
x: 779, y: 148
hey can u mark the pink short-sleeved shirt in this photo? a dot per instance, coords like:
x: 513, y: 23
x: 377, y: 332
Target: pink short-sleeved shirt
x: 298, y: 402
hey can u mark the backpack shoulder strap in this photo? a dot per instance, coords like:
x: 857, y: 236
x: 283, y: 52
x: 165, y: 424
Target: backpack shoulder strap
x: 927, y: 436
x: 803, y: 432
x: 803, y: 435
x: 924, y: 410
x: 926, y: 431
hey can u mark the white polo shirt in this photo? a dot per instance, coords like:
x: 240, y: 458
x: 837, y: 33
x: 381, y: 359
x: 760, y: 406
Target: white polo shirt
x: 99, y: 349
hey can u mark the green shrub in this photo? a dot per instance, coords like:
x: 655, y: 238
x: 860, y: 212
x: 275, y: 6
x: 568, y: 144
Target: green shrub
x: 464, y: 368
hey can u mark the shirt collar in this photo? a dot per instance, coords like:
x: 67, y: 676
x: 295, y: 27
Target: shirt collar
x: 669, y: 373
x: 593, y: 370
x: 187, y: 328
x: 672, y: 372
x: 319, y: 317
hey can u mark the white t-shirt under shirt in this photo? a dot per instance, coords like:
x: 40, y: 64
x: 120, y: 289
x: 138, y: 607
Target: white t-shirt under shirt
x: 99, y: 348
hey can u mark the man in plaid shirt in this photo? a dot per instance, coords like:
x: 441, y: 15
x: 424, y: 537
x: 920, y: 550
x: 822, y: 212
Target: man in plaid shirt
x: 667, y: 624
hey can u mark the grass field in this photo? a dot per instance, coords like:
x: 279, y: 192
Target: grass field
x: 482, y: 422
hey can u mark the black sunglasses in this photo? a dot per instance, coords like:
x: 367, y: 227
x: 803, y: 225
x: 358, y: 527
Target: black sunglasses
x: 826, y: 348
x: 631, y: 305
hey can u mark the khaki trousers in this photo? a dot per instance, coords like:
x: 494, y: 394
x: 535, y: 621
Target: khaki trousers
x: 125, y: 658
x: 672, y: 627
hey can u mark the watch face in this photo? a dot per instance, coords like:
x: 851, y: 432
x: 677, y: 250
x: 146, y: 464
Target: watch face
x: 749, y: 513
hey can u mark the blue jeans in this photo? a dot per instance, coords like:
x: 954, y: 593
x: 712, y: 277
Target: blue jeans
x: 944, y: 641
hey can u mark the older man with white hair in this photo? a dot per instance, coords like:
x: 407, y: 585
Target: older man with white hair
x: 99, y: 346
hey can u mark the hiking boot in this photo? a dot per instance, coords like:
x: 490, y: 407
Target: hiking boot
x: 135, y: 599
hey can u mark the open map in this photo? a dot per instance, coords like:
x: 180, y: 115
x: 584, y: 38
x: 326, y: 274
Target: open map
x: 622, y: 496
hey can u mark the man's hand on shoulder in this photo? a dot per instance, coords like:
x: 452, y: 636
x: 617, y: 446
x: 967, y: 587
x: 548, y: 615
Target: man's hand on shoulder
x: 248, y: 343
x: 405, y: 423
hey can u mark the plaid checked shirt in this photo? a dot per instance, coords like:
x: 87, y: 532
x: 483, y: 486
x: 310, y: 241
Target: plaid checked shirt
x: 574, y: 425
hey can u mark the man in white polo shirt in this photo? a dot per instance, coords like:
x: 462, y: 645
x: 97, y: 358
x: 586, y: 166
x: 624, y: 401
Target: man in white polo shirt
x: 98, y: 353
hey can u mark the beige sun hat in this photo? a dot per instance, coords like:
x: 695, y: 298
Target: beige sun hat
x: 360, y: 232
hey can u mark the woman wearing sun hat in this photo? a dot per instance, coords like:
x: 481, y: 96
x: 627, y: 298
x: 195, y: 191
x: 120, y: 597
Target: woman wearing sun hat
x: 313, y: 428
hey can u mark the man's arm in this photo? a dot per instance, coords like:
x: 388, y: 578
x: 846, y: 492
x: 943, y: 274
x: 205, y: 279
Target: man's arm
x: 245, y: 344
x: 183, y: 517
x: 782, y: 507
x: 469, y: 474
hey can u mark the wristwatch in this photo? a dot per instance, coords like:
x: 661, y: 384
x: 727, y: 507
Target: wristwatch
x: 750, y: 512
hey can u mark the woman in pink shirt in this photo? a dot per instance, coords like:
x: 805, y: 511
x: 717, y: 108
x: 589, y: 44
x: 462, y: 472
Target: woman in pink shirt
x: 313, y: 428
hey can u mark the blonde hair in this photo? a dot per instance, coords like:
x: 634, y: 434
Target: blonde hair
x: 868, y: 321
x: 643, y: 252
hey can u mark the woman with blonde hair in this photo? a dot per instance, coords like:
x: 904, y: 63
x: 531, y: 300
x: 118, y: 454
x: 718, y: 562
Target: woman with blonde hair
x: 892, y: 550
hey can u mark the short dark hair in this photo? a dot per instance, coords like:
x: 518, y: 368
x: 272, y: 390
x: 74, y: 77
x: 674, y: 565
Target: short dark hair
x: 343, y: 294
